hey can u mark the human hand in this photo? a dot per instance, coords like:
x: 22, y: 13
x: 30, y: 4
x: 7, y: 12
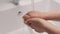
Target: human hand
x: 34, y: 14
x: 35, y: 23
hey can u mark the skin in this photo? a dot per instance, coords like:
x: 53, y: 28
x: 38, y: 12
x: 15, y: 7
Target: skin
x: 40, y: 19
x: 52, y: 15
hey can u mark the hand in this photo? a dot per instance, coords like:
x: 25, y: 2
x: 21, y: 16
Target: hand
x: 35, y: 23
x: 34, y: 14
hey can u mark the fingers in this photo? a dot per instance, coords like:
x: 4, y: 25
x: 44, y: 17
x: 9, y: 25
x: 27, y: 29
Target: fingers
x: 26, y: 17
x: 32, y: 21
x: 34, y: 25
x: 35, y: 21
x: 30, y: 13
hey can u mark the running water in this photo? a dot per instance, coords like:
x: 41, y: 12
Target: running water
x: 32, y: 5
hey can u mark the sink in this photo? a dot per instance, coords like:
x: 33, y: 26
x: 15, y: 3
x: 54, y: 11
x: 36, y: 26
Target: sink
x: 6, y: 6
x: 24, y: 30
x: 12, y: 23
x: 58, y: 1
x: 28, y: 2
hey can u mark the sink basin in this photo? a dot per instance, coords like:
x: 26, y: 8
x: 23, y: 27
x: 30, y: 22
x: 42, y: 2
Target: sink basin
x: 28, y: 2
x: 58, y: 1
x: 12, y: 23
x: 25, y: 30
x: 6, y: 6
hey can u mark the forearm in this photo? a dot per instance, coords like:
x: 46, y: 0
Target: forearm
x: 52, y: 15
x: 50, y: 28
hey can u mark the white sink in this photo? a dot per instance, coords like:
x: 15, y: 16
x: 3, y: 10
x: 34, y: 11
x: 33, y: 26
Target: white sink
x: 28, y: 2
x: 6, y: 6
x: 58, y: 1
x: 12, y: 23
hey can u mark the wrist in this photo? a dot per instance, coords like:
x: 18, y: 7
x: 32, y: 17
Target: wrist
x: 44, y: 16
